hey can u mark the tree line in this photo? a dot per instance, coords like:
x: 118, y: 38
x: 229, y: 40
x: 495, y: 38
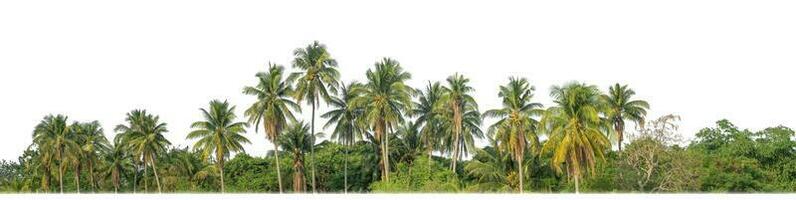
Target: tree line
x: 387, y: 136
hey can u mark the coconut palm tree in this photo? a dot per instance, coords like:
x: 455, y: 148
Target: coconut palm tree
x: 344, y: 116
x: 93, y: 141
x: 457, y: 99
x: 516, y: 127
x: 427, y: 112
x: 492, y: 170
x: 219, y: 133
x: 297, y: 140
x: 464, y: 142
x: 272, y: 107
x: 118, y: 161
x: 54, y: 136
x: 315, y: 81
x: 144, y: 137
x: 384, y: 99
x: 621, y: 108
x: 575, y: 129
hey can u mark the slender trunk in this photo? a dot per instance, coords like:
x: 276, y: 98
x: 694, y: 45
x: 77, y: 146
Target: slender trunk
x: 91, y: 176
x: 155, y: 170
x: 61, y: 176
x: 220, y: 162
x: 278, y: 172
x: 380, y: 133
x: 520, y: 173
x: 345, y: 170
x: 312, y: 147
x: 77, y: 177
x: 577, y: 183
x: 45, y: 180
x: 135, y: 178
x: 144, y: 176
x: 299, y: 185
x: 387, y: 154
x: 620, y: 129
x: 115, y: 175
x: 457, y: 131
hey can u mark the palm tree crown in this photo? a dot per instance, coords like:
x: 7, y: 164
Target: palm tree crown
x: 384, y: 99
x: 272, y: 107
x: 621, y: 108
x: 219, y: 133
x: 516, y: 127
x: 574, y: 128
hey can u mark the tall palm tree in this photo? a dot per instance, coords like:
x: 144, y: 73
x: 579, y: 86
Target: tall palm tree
x: 344, y: 116
x: 118, y: 161
x: 384, y: 99
x: 272, y: 108
x: 574, y: 129
x: 516, y: 127
x: 464, y: 143
x: 297, y: 140
x: 219, y: 134
x: 457, y: 99
x: 621, y: 107
x: 144, y: 137
x: 93, y: 141
x: 427, y: 112
x: 317, y: 78
x: 54, y: 136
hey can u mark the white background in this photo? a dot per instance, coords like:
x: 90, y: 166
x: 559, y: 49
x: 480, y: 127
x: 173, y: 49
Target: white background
x: 97, y: 60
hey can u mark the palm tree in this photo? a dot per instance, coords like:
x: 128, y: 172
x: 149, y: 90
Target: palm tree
x: 384, y: 99
x: 457, y: 99
x: 621, y: 107
x: 118, y: 162
x: 574, y: 129
x: 515, y: 127
x: 93, y: 141
x: 464, y: 143
x: 144, y: 137
x: 54, y: 136
x: 344, y: 116
x: 427, y: 112
x: 297, y: 140
x: 317, y: 78
x: 492, y: 170
x: 272, y: 108
x: 219, y: 134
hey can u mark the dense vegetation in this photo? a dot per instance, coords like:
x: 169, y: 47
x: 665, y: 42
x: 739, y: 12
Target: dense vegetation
x: 386, y: 136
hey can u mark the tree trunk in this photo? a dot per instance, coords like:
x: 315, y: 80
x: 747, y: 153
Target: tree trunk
x: 387, y: 154
x: 220, y: 162
x: 135, y: 178
x: 77, y: 177
x: 520, y: 173
x: 577, y: 183
x: 91, y: 176
x: 155, y: 170
x: 345, y: 170
x: 45, y: 180
x: 620, y: 131
x: 312, y: 147
x: 299, y: 185
x: 457, y: 131
x: 146, y: 180
x: 278, y: 172
x: 61, y: 176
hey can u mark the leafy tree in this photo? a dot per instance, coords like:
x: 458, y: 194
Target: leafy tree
x: 318, y: 77
x: 93, y: 142
x: 54, y: 138
x: 516, y: 127
x: 219, y: 134
x: 384, y: 99
x: 298, y: 141
x: 418, y: 177
x: 428, y: 116
x: 574, y: 129
x: 118, y: 162
x: 456, y: 97
x: 344, y: 116
x: 272, y: 108
x: 621, y: 107
x: 143, y: 134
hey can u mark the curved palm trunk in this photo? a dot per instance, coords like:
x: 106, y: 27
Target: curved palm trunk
x: 61, y: 172
x: 91, y: 176
x: 521, y: 176
x: 457, y: 131
x: 220, y: 162
x: 299, y: 185
x: 155, y: 170
x: 619, y: 127
x: 312, y: 147
x: 146, y: 181
x: 77, y: 177
x: 387, y: 155
x: 278, y: 171
x: 345, y: 170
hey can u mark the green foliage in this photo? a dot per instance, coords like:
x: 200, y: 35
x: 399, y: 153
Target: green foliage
x: 420, y: 176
